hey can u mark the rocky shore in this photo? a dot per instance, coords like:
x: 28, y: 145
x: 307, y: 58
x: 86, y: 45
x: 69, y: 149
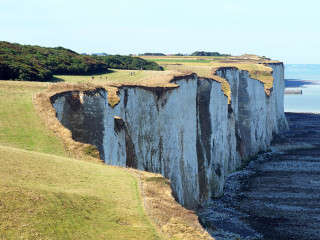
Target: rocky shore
x: 277, y: 195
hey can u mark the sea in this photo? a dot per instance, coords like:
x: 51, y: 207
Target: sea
x: 305, y: 77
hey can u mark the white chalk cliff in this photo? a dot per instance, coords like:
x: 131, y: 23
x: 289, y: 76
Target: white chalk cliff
x: 188, y: 134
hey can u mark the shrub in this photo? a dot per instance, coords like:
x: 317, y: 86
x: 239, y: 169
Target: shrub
x: 91, y: 151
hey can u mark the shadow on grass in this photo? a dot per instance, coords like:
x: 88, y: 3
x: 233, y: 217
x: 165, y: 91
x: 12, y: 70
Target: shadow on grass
x: 110, y: 71
x: 56, y: 79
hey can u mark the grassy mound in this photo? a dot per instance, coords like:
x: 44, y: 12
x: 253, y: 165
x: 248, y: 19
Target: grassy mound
x: 43, y: 196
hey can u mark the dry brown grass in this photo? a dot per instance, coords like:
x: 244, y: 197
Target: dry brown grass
x: 258, y: 71
x: 256, y: 66
x: 203, y: 71
x: 169, y: 217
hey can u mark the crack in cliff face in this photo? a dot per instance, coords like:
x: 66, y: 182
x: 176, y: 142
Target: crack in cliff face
x: 244, y: 114
x: 131, y: 158
x: 125, y: 99
x: 204, y: 132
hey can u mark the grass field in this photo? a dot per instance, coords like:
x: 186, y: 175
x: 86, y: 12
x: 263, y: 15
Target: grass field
x: 211, y: 58
x: 49, y: 197
x: 175, y: 60
x: 113, y: 75
x: 20, y: 125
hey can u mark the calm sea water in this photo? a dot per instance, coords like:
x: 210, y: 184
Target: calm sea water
x: 309, y: 101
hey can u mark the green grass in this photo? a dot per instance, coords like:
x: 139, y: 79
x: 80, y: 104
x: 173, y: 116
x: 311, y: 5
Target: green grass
x: 43, y: 196
x: 179, y: 60
x: 20, y: 125
x: 113, y: 75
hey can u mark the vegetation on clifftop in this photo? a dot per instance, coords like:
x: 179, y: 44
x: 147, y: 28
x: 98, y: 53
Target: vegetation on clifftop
x: 34, y: 63
x: 128, y: 62
x: 203, y: 53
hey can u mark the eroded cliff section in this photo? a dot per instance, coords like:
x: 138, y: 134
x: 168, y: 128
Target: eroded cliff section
x: 188, y: 134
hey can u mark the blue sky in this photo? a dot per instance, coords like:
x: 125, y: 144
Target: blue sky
x: 283, y: 30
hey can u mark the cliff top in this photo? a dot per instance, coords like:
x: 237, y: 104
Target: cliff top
x: 180, y: 66
x: 207, y: 66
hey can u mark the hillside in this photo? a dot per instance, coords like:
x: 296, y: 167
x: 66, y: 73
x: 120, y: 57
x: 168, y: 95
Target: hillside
x: 49, y: 197
x: 20, y: 126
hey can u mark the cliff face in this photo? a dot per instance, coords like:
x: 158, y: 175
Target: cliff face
x: 188, y: 134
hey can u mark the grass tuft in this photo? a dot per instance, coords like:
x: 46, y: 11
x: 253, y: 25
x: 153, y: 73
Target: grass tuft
x: 91, y: 151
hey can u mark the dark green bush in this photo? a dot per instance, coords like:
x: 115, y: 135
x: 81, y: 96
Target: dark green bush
x: 91, y: 151
x: 128, y: 62
x: 202, y: 53
x: 34, y: 63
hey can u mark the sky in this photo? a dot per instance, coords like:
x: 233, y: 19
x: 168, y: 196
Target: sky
x: 285, y: 30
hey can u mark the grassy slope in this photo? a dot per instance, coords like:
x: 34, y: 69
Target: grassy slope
x: 20, y: 126
x: 175, y: 60
x: 46, y: 196
x: 50, y: 197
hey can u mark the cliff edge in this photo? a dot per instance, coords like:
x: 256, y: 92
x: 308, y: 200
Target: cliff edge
x: 187, y: 132
x: 185, y: 128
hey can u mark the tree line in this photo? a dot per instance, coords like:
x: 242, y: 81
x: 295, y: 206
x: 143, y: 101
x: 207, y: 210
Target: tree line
x: 214, y: 54
x: 152, y: 54
x: 128, y: 62
x: 34, y: 63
